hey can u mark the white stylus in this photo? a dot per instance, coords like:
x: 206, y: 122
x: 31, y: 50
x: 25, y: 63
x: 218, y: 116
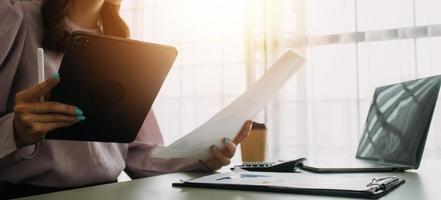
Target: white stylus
x: 40, y: 65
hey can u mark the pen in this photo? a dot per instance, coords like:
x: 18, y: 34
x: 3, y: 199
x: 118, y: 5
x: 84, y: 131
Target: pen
x: 40, y: 65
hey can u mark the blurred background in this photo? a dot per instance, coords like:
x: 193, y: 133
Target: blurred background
x: 352, y: 47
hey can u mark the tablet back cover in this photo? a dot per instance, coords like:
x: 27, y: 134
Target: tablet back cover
x: 113, y: 81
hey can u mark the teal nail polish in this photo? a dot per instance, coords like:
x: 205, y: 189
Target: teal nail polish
x: 56, y: 76
x: 78, y: 112
x: 81, y: 118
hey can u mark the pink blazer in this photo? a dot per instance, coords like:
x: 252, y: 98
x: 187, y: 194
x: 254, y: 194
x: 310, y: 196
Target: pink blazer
x: 53, y: 163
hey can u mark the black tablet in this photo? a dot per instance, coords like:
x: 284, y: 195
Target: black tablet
x: 113, y: 81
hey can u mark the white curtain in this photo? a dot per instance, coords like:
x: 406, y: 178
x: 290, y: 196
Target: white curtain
x: 352, y: 46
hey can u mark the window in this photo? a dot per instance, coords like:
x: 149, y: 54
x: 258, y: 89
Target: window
x: 210, y: 69
x: 352, y: 46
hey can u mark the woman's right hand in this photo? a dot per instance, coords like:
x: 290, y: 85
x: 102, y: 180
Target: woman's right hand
x: 33, y: 119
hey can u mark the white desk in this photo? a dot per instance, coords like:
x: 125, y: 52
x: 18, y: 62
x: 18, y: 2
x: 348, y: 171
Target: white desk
x: 422, y: 184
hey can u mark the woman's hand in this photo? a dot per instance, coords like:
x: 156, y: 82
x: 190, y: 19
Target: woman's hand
x: 33, y: 119
x: 222, y: 157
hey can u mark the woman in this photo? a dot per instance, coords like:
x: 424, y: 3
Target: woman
x: 31, y: 165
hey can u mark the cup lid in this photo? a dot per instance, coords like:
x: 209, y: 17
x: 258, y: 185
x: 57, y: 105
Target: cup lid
x: 259, y: 125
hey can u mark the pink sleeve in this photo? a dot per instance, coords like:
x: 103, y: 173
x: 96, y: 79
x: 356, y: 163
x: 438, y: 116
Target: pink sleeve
x: 11, y: 44
x: 12, y: 37
x: 8, y: 149
x: 140, y: 164
x: 10, y: 20
x: 7, y: 143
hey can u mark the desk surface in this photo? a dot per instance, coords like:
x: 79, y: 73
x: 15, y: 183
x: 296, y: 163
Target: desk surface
x: 421, y: 184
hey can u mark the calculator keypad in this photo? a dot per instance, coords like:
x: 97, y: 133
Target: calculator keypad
x: 258, y: 164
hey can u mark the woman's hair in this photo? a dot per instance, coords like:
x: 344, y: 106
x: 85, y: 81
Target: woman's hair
x: 55, y: 36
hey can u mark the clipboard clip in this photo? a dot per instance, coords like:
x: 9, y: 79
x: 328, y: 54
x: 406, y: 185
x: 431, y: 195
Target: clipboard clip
x: 384, y: 183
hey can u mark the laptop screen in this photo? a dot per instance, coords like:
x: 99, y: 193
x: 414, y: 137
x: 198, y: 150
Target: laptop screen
x: 398, y: 122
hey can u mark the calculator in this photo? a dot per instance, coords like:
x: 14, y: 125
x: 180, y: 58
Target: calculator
x: 279, y: 166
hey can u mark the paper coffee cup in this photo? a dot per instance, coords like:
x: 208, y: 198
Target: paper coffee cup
x: 253, y: 148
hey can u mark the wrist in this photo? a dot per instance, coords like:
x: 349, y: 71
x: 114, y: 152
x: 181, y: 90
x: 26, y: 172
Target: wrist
x: 202, y: 163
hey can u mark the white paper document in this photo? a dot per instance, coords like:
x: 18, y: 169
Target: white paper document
x: 288, y: 180
x: 228, y: 122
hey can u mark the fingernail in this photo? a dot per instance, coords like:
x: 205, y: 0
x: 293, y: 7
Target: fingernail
x: 226, y: 140
x: 250, y: 123
x: 78, y: 112
x: 55, y: 76
x: 213, y: 147
x: 81, y: 118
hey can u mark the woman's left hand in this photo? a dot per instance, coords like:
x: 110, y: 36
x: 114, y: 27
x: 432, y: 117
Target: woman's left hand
x: 222, y: 157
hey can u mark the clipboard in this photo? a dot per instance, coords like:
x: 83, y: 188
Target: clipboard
x: 298, y: 183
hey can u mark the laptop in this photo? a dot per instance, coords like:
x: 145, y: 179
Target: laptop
x: 114, y: 81
x: 395, y: 131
